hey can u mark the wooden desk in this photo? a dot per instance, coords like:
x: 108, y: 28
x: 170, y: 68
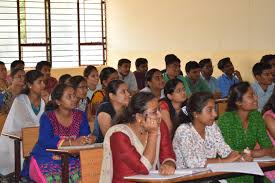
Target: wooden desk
x: 17, y: 137
x: 204, y: 176
x: 65, y: 154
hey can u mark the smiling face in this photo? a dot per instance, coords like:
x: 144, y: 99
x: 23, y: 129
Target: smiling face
x: 249, y: 101
x: 179, y: 94
x: 124, y: 69
x: 265, y: 77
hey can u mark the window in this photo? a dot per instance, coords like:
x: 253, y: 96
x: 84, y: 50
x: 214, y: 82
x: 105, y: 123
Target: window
x: 68, y: 33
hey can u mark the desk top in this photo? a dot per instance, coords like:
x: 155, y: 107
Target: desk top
x: 74, y: 149
x: 13, y: 135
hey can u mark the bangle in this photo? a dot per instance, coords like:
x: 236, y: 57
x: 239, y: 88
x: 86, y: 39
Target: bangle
x: 70, y: 142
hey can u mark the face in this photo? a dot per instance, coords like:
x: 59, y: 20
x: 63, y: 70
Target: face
x: 207, y: 69
x: 157, y: 81
x: 272, y: 62
x: 122, y: 95
x: 228, y: 69
x: 3, y: 72
x: 92, y: 79
x: 19, y: 79
x: 113, y: 76
x: 143, y: 68
x: 179, y: 94
x: 81, y: 90
x: 249, y: 101
x: 152, y: 110
x: 124, y: 69
x: 173, y: 69
x: 68, y: 99
x: 46, y: 70
x: 38, y: 86
x: 194, y: 74
x: 208, y: 114
x: 265, y: 78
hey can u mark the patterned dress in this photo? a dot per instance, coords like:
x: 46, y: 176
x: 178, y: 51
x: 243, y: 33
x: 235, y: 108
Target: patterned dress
x: 46, y: 166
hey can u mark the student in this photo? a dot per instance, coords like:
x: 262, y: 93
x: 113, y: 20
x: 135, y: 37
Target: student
x: 141, y: 69
x: 91, y: 75
x: 263, y: 86
x: 64, y: 79
x: 206, y: 74
x: 17, y: 85
x: 229, y: 77
x: 138, y: 144
x: 3, y: 77
x: 173, y: 71
x: 154, y: 83
x: 118, y: 97
x: 199, y: 141
x: 61, y: 126
x: 50, y: 82
x: 126, y: 75
x: 270, y: 59
x: 194, y: 81
x: 17, y: 64
x: 25, y: 111
x: 242, y: 126
x: 171, y: 107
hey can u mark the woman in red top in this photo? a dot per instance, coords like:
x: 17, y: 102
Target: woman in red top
x: 138, y: 144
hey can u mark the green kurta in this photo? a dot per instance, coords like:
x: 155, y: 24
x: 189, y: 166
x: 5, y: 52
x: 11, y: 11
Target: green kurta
x: 239, y: 138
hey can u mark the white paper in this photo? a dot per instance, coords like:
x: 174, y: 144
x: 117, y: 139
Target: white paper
x: 87, y: 146
x: 264, y: 159
x: 239, y: 167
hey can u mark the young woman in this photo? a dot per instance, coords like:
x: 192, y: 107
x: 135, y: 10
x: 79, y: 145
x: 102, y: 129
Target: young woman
x: 3, y: 77
x: 25, y: 111
x: 17, y: 84
x: 91, y: 75
x: 118, y: 97
x: 171, y: 107
x: 139, y: 143
x: 242, y: 125
x: 61, y: 126
x: 199, y: 141
x: 64, y: 79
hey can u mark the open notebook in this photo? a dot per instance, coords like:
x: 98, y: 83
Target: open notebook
x: 87, y: 146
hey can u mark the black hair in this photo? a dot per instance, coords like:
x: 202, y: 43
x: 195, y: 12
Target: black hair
x: 2, y: 63
x: 171, y: 59
x: 197, y: 102
x: 137, y: 105
x: 87, y: 71
x: 270, y: 104
x: 76, y: 80
x: 259, y: 67
x: 123, y: 61
x: 15, y: 71
x: 191, y: 65
x: 15, y: 63
x: 63, y: 78
x: 149, y: 75
x: 41, y: 64
x: 140, y: 61
x: 113, y: 87
x: 30, y: 77
x: 236, y: 93
x: 267, y: 58
x: 105, y: 73
x: 205, y: 61
x: 223, y: 62
x: 56, y: 94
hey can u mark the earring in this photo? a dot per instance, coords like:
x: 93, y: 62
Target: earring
x: 141, y: 131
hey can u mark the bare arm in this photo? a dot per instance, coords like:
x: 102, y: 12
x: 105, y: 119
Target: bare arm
x: 269, y: 122
x: 104, y: 121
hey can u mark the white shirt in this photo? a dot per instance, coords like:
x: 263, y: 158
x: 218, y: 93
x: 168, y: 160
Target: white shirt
x: 130, y: 80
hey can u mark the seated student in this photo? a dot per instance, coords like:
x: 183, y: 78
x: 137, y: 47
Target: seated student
x: 263, y: 86
x: 141, y: 69
x: 171, y: 107
x: 107, y: 75
x: 64, y: 79
x: 194, y: 81
x: 173, y: 71
x: 139, y: 143
x: 118, y: 97
x: 154, y: 83
x: 91, y: 75
x: 25, y: 112
x: 62, y: 125
x: 270, y: 59
x: 126, y: 75
x: 17, y: 64
x: 45, y: 68
x: 242, y: 126
x: 206, y: 74
x: 17, y: 85
x: 199, y: 141
x: 3, y: 77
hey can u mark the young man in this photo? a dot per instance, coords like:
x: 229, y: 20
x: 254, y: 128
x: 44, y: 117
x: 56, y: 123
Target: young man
x: 17, y: 64
x: 126, y: 75
x: 206, y: 74
x: 173, y: 71
x: 45, y: 68
x: 229, y: 77
x: 141, y: 69
x: 263, y: 86
x: 195, y: 82
x: 270, y: 59
x: 3, y: 77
